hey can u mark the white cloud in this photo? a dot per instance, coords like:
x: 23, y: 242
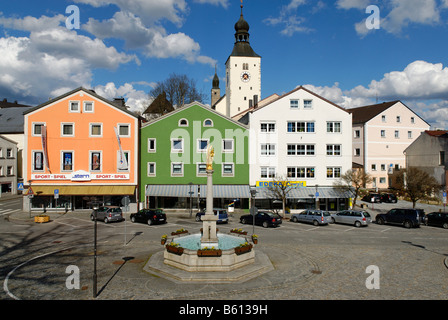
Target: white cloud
x: 223, y: 3
x: 137, y: 100
x: 291, y: 22
x: 353, y: 4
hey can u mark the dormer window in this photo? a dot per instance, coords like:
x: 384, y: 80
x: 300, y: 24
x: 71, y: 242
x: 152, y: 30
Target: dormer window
x: 183, y: 123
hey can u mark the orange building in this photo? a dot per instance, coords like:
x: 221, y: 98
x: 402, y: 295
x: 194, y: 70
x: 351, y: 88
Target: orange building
x: 80, y: 148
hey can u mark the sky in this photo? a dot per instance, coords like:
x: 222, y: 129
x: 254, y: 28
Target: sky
x: 352, y: 52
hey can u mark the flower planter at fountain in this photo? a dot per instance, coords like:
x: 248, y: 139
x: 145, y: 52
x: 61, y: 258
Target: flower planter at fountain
x: 239, y: 231
x: 174, y: 249
x: 209, y: 253
x: 245, y: 248
x: 41, y: 218
x: 179, y: 232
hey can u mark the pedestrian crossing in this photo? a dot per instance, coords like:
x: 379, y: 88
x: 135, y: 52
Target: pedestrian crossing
x: 6, y: 212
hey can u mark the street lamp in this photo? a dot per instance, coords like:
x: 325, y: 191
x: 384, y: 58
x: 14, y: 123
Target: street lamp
x: 95, y: 291
x: 191, y: 199
x: 253, y: 193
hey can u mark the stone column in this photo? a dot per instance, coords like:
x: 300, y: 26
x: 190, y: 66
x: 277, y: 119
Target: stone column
x: 209, y: 236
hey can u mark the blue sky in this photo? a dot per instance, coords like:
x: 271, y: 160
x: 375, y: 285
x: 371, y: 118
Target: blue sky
x: 124, y: 46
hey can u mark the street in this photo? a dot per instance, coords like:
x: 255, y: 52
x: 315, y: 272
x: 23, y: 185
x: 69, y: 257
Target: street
x: 325, y: 262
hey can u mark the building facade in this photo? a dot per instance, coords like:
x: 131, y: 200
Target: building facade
x: 429, y: 152
x: 8, y: 166
x: 305, y: 139
x: 381, y: 133
x: 173, y: 159
x: 81, y: 149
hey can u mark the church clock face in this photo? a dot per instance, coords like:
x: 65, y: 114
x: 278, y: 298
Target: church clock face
x: 245, y: 76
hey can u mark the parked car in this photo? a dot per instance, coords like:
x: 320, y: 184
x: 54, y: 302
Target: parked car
x: 438, y: 219
x: 316, y: 217
x: 388, y: 197
x: 408, y: 218
x: 353, y: 217
x: 107, y: 214
x: 149, y: 216
x: 262, y: 218
x: 375, y: 196
x: 223, y: 217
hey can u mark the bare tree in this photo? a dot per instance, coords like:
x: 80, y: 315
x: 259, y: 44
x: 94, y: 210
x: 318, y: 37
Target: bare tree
x: 279, y: 189
x: 354, y: 180
x: 179, y: 89
x: 415, y: 183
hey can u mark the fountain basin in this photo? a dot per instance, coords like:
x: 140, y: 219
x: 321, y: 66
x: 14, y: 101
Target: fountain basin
x: 190, y: 261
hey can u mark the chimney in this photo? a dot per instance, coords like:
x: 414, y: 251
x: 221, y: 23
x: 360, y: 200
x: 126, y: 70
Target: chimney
x: 250, y: 103
x: 255, y: 100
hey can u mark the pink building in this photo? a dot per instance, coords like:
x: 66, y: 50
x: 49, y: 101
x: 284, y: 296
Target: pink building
x: 381, y: 133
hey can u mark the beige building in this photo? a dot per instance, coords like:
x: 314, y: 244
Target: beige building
x: 381, y: 133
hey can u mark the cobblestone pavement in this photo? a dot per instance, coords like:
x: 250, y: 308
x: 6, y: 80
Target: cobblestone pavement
x: 327, y: 262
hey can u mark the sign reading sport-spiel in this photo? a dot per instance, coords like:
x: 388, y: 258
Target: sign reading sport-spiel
x: 81, y: 176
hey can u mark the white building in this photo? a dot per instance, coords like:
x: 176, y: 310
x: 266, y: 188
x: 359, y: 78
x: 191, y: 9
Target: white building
x: 243, y: 75
x: 303, y: 138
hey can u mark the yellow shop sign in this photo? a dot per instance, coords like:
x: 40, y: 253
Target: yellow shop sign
x: 297, y: 184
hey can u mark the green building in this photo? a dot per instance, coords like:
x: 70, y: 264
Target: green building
x: 173, y: 159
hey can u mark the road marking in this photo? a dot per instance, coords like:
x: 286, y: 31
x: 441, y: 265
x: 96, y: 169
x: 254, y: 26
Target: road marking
x: 385, y: 230
x: 350, y: 229
x: 312, y: 229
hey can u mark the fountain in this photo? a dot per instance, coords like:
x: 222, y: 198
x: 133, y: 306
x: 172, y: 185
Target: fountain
x: 209, y: 257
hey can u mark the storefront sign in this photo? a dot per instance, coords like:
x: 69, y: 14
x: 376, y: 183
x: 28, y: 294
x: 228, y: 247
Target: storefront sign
x: 294, y: 184
x: 80, y: 176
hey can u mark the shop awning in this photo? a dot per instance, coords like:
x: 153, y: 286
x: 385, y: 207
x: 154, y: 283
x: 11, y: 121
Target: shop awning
x: 307, y: 193
x: 83, y: 190
x: 183, y: 191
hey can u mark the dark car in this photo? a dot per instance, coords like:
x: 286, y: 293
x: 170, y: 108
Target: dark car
x: 149, y: 216
x: 262, y: 218
x: 375, y: 196
x: 107, y: 214
x: 408, y: 218
x: 438, y: 219
x: 388, y: 198
x: 223, y: 217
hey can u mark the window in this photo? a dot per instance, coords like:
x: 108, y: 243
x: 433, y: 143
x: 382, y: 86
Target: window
x: 95, y: 160
x: 151, y: 145
x: 245, y: 66
x: 1, y: 171
x: 227, y: 145
x: 67, y: 161
x: 121, y: 165
x: 409, y: 134
x: 177, y: 145
x: 267, y: 127
x: 294, y: 104
x: 177, y: 169
x: 268, y: 149
x: 334, y: 127
x: 441, y: 158
x: 9, y: 153
x: 202, y: 145
x: 183, y: 123
x: 301, y: 172
x: 333, y: 172
x: 301, y: 126
x: 357, y: 152
x: 357, y: 134
x: 382, y: 180
x: 1, y: 153
x: 373, y: 167
x: 124, y: 130
x: 383, y: 167
x: 267, y: 172
x: 397, y: 134
x: 227, y: 169
x: 96, y: 130
x: 38, y: 161
x: 333, y: 149
x: 37, y: 129
x: 307, y: 104
x: 201, y: 169
x: 74, y: 106
x: 412, y: 120
x: 151, y: 169
x: 383, y: 133
x: 208, y: 123
x: 9, y: 171
x: 383, y: 118
x: 398, y: 119
x: 301, y: 149
x: 67, y: 130
x: 88, y: 106
x: 310, y: 172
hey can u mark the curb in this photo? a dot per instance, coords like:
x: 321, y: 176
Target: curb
x: 446, y: 262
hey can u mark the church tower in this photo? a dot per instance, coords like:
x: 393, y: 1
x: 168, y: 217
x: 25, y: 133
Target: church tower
x: 216, y: 91
x: 243, y: 74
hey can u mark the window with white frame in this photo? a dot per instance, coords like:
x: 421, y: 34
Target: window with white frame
x: 294, y: 104
x: 95, y: 161
x: 334, y: 126
x: 96, y: 130
x: 294, y: 126
x: 267, y: 172
x: 67, y: 129
x: 267, y: 149
x: 397, y: 134
x: 124, y: 130
x: 67, y: 161
x: 409, y: 134
x: 201, y: 169
x: 333, y: 172
x: 88, y: 107
x: 152, y: 145
x: 37, y: 129
x: 267, y: 127
x: 177, y: 145
x: 74, y: 106
x: 301, y: 172
x: 228, y: 169
x: 37, y: 161
x: 202, y: 145
x: 383, y: 133
x: 177, y: 169
x: 208, y: 123
x: 227, y: 145
x: 151, y: 169
x: 307, y: 104
x: 334, y: 149
x: 301, y: 149
x: 183, y: 123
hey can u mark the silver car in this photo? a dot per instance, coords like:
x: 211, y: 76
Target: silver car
x: 107, y: 214
x: 353, y: 217
x: 316, y: 217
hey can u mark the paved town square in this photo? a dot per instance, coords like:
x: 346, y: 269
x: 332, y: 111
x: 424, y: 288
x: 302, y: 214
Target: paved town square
x: 332, y: 262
